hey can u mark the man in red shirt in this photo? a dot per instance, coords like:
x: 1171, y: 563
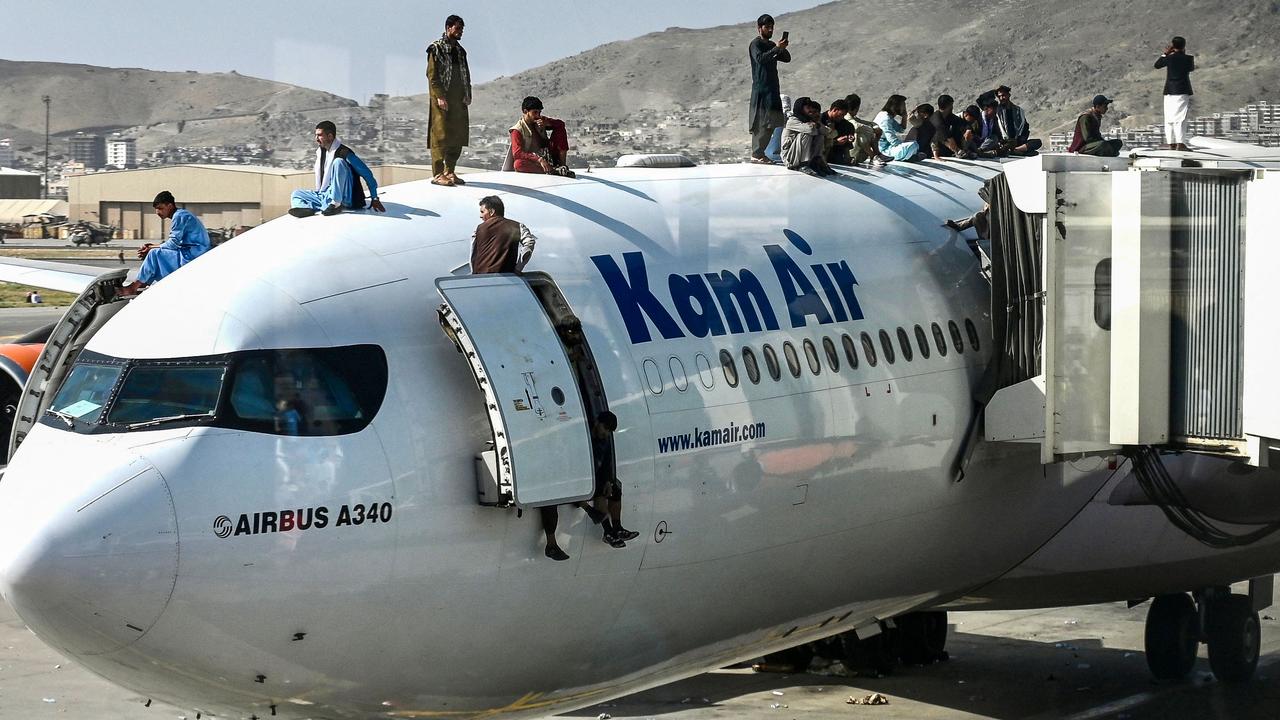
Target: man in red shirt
x: 539, y: 144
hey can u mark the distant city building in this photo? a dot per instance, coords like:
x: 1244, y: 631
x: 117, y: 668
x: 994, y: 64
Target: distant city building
x: 122, y: 153
x: 88, y: 149
x: 6, y: 153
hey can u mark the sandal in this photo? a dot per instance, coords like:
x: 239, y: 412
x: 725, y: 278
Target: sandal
x: 441, y: 180
x: 455, y: 180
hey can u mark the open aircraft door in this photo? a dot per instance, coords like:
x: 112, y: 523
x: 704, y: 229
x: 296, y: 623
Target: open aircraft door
x: 542, y: 441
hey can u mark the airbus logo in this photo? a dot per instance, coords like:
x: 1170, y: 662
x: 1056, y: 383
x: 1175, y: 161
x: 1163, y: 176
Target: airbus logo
x: 731, y: 302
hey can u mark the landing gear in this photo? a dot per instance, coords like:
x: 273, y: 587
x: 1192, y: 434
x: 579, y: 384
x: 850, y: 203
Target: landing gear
x: 873, y: 656
x: 1235, y: 638
x: 1172, y: 636
x: 1226, y: 622
x: 922, y: 637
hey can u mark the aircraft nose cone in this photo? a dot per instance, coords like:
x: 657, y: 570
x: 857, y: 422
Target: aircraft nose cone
x: 88, y: 546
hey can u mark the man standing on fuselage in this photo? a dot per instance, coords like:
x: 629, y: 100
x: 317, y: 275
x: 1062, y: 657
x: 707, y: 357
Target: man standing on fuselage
x: 766, y: 98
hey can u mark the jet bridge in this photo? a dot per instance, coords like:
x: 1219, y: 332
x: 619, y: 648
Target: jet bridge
x: 1132, y: 303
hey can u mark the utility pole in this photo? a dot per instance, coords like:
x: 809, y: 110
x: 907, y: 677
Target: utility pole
x: 45, y: 100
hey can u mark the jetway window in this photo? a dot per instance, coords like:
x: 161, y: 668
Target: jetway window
x: 850, y: 351
x: 973, y: 334
x: 730, y: 368
x: 833, y: 358
x: 904, y: 341
x: 886, y: 344
x: 811, y: 354
x: 956, y: 338
x: 1102, y: 294
x: 753, y: 367
x: 793, y: 360
x: 922, y: 342
x: 771, y: 363
x: 869, y: 350
x: 940, y: 339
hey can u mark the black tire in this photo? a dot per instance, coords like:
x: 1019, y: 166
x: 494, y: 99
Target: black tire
x: 922, y: 637
x: 1172, y: 636
x: 875, y: 656
x: 1235, y: 639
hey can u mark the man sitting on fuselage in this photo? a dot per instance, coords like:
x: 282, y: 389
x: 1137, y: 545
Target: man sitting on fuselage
x: 337, y: 188
x: 187, y: 241
x: 539, y: 144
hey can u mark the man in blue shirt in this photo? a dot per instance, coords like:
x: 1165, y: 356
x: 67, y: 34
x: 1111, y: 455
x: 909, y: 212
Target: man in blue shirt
x: 187, y: 241
x: 336, y: 186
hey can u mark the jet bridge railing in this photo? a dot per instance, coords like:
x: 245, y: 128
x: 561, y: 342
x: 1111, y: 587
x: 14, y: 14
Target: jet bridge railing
x: 1132, y: 305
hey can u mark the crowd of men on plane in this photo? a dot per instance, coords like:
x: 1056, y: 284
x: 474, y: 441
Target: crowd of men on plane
x: 802, y: 136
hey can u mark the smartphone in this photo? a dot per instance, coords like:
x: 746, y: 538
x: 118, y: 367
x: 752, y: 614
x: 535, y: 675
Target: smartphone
x: 784, y: 34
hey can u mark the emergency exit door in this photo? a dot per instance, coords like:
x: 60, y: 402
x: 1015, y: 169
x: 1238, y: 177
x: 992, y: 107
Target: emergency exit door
x: 540, y: 432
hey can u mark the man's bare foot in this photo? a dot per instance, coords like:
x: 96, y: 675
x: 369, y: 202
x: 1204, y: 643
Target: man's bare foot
x: 453, y: 177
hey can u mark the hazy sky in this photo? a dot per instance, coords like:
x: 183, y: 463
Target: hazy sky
x: 352, y: 48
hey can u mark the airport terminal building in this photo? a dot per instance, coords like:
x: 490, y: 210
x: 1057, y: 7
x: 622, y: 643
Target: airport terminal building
x: 222, y: 196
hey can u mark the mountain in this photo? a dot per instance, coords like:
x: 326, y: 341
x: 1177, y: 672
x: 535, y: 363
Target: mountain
x: 1055, y: 55
x: 86, y: 97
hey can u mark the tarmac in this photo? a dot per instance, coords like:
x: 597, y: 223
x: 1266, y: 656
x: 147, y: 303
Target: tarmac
x: 1081, y: 663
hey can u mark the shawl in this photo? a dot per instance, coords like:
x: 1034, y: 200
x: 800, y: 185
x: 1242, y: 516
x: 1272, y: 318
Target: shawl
x: 442, y: 51
x: 325, y: 173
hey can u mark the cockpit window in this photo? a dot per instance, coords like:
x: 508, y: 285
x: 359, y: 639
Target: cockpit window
x: 328, y: 391
x: 314, y: 391
x: 158, y: 393
x: 85, y: 393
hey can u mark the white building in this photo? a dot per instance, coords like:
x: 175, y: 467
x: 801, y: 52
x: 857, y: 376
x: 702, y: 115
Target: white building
x: 6, y: 153
x: 122, y: 153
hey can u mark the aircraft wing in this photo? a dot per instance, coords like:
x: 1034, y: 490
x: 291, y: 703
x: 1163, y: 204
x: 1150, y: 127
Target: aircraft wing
x: 51, y: 275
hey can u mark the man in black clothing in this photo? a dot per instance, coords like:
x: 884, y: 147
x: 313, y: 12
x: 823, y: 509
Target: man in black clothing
x: 948, y: 131
x: 845, y: 133
x: 1013, y: 125
x: 1177, y: 91
x: 765, y: 113
x: 922, y: 129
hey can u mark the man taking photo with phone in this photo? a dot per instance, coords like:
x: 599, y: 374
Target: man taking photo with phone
x: 765, y: 113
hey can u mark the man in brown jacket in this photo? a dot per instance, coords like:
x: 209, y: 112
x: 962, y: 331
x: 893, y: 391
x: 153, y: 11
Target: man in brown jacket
x: 499, y: 245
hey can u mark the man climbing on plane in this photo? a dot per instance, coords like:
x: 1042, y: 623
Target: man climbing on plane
x: 337, y: 188
x: 187, y: 241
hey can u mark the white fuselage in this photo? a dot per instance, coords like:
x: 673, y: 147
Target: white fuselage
x: 835, y: 508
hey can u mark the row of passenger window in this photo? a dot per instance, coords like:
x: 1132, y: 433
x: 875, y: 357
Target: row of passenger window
x: 772, y: 365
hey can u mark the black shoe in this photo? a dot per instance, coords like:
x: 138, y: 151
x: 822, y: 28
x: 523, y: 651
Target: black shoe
x: 333, y: 209
x: 564, y: 171
x: 614, y: 541
x: 555, y: 553
x: 301, y: 212
x: 626, y: 534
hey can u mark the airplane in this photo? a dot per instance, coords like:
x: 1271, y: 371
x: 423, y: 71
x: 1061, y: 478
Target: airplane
x: 287, y: 481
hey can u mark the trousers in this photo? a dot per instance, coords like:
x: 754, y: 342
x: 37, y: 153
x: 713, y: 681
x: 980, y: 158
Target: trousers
x: 445, y: 159
x: 338, y: 192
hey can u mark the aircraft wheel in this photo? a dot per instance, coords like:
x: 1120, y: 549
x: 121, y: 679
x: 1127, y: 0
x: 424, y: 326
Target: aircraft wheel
x: 873, y: 657
x: 922, y: 637
x: 1235, y: 638
x: 1172, y: 636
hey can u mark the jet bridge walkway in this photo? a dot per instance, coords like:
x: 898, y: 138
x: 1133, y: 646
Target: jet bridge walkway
x: 1133, y: 304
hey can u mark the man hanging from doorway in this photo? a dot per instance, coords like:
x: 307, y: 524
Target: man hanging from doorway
x: 187, y: 241
x: 337, y: 189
